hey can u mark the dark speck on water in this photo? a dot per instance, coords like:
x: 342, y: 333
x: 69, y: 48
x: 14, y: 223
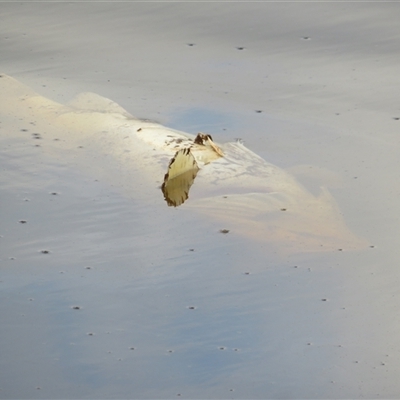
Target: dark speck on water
x: 224, y: 231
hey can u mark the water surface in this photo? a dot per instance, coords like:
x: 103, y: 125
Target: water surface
x: 106, y: 296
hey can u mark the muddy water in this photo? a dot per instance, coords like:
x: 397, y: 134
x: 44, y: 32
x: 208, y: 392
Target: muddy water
x: 104, y: 295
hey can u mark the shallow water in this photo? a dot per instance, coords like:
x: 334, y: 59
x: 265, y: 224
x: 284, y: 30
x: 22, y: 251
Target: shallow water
x: 168, y: 305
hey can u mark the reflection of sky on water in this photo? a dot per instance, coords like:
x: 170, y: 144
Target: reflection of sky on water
x: 201, y: 120
x: 152, y: 315
x: 291, y: 343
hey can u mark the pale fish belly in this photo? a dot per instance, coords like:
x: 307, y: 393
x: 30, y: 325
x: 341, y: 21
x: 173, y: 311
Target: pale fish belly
x: 225, y: 182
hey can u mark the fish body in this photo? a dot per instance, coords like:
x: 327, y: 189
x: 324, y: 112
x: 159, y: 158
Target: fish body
x: 224, y: 182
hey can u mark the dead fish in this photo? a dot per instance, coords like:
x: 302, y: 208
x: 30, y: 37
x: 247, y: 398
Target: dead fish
x: 224, y: 182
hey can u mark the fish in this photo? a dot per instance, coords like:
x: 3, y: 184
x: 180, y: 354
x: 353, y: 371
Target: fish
x: 225, y: 182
